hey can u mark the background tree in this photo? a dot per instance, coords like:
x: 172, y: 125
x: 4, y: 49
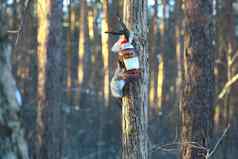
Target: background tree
x: 153, y: 39
x: 198, y: 92
x: 54, y: 118
x: 50, y: 78
x: 105, y: 50
x: 42, y: 38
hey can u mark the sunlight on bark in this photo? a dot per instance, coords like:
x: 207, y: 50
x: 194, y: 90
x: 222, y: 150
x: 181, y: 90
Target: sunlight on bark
x: 105, y: 50
x: 160, y: 82
x: 23, y: 72
x: 152, y: 93
x: 81, y: 51
x: 216, y: 117
x: 72, y: 20
x: 91, y: 24
x: 42, y: 36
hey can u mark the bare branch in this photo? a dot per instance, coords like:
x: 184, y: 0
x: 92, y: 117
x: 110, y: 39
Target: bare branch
x: 209, y: 154
x: 174, y: 146
x: 12, y: 31
x: 227, y: 86
x: 234, y: 58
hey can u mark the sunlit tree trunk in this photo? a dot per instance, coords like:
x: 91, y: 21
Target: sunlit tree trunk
x: 198, y: 97
x: 50, y: 80
x: 42, y: 37
x: 91, y: 22
x: 135, y: 99
x: 70, y: 31
x: 105, y: 50
x: 153, y: 55
x: 160, y: 56
x: 179, y: 46
x: 13, y: 144
x: 82, y: 50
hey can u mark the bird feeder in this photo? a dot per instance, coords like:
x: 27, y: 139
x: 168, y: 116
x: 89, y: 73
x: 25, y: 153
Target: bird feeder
x: 128, y: 58
x: 130, y: 61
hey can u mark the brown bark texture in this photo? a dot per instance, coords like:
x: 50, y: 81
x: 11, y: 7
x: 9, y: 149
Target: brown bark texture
x: 84, y: 53
x: 55, y: 84
x: 50, y: 117
x: 197, y: 98
x: 153, y: 49
x: 135, y: 99
x: 105, y: 50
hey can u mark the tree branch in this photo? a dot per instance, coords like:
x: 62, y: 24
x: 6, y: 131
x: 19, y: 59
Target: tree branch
x: 209, y: 154
x: 174, y: 146
x: 193, y: 144
x: 227, y: 86
x: 234, y: 58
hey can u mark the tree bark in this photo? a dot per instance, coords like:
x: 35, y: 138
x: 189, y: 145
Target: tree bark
x: 198, y: 97
x: 50, y: 80
x: 135, y: 99
x: 84, y: 53
x: 42, y: 37
x: 153, y: 56
x: 161, y: 59
x: 70, y: 31
x: 54, y: 84
x: 105, y: 50
x: 179, y: 47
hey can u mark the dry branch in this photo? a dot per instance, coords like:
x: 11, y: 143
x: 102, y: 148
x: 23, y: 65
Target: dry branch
x: 174, y: 146
x: 234, y: 58
x: 209, y: 154
x: 227, y: 86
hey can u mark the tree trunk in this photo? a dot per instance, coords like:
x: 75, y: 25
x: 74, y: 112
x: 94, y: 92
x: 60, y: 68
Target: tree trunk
x: 49, y: 115
x: 84, y: 54
x: 179, y: 47
x: 161, y: 59
x: 13, y: 144
x: 135, y: 99
x: 153, y: 56
x: 197, y: 98
x: 105, y: 50
x: 55, y: 84
x: 42, y: 37
x: 70, y: 31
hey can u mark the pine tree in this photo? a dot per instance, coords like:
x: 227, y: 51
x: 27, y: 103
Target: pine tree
x: 135, y: 99
x: 197, y: 98
x: 105, y: 50
x: 50, y: 84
